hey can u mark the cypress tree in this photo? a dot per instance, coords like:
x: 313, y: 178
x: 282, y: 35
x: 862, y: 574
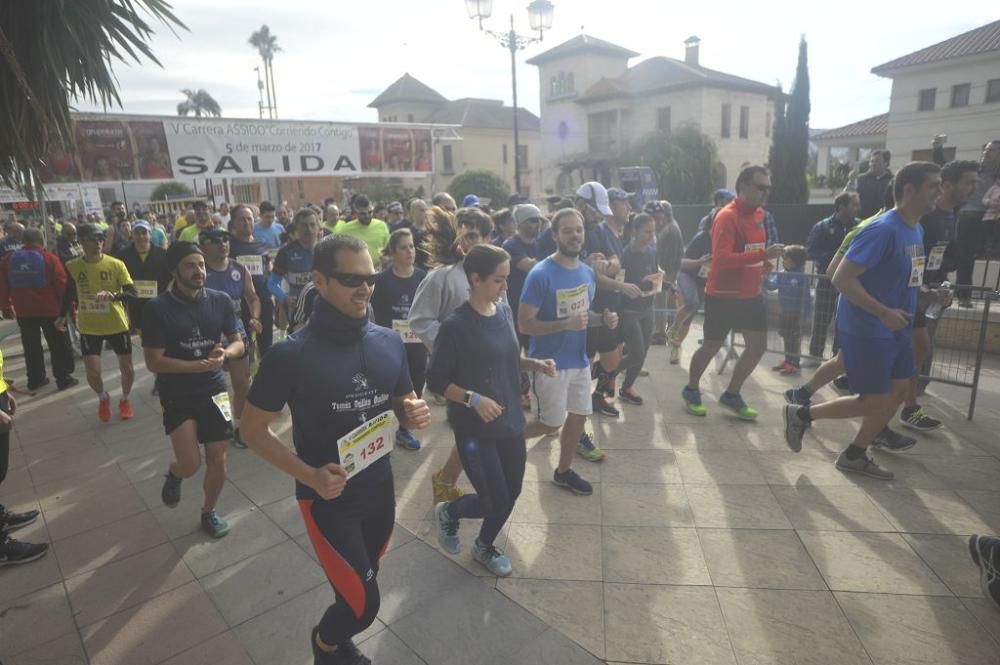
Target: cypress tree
x: 789, y: 156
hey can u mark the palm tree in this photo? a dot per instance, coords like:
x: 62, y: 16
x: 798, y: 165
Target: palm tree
x: 199, y: 103
x: 57, y: 52
x: 266, y: 44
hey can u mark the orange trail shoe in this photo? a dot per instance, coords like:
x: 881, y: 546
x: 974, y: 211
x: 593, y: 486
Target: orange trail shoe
x: 125, y: 409
x: 104, y: 409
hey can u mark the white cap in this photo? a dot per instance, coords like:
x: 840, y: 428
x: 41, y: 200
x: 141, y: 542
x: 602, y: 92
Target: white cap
x: 595, y: 194
x: 526, y: 211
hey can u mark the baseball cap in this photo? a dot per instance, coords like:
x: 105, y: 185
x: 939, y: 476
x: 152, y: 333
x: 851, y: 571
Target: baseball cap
x: 90, y: 232
x: 596, y: 196
x: 526, y: 211
x: 617, y: 194
x: 470, y: 201
x: 395, y: 206
x: 723, y: 193
x: 515, y: 199
x: 212, y: 233
x: 141, y: 224
x: 266, y: 206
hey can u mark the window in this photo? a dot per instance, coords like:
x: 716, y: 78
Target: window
x: 727, y: 119
x: 744, y: 122
x: 602, y: 132
x: 570, y: 83
x: 505, y: 153
x: 993, y: 91
x: 522, y: 156
x: 409, y: 117
x: 663, y: 119
x: 960, y: 94
x: 449, y: 166
x: 767, y: 124
x: 927, y: 99
x: 553, y: 86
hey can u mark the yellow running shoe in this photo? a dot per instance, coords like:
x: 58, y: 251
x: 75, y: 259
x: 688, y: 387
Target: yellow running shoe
x: 442, y: 490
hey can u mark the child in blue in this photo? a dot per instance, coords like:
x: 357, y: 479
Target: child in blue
x: 795, y: 301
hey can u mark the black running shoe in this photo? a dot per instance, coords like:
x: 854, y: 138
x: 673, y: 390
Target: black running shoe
x: 14, y: 552
x: 893, y: 440
x: 842, y: 386
x: 603, y: 407
x: 67, y: 382
x: 798, y: 396
x: 13, y: 521
x: 985, y: 552
x: 171, y: 492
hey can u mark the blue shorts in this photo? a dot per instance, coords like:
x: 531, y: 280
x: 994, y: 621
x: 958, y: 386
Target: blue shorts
x: 873, y: 363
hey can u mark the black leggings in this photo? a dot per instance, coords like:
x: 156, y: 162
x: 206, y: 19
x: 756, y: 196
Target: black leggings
x: 637, y: 327
x: 4, y: 439
x: 349, y: 540
x: 496, y: 469
x: 416, y: 359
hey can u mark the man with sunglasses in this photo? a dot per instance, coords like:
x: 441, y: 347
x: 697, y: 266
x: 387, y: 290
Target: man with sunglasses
x: 347, y: 385
x: 366, y: 228
x: 740, y: 257
x: 295, y: 260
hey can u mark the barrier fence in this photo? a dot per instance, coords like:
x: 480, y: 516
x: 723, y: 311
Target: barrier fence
x: 805, y: 332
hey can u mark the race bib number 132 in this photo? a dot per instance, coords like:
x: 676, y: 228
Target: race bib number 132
x: 367, y: 443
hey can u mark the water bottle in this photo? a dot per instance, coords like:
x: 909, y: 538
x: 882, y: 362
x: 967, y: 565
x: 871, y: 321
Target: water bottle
x: 934, y: 310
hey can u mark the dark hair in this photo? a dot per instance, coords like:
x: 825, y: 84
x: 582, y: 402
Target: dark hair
x: 440, y: 197
x: 503, y: 216
x: 641, y: 219
x: 325, y: 251
x: 33, y: 237
x: 198, y: 205
x: 748, y: 172
x: 395, y: 238
x: 116, y: 203
x: 797, y: 253
x: 561, y: 214
x: 483, y: 260
x: 302, y: 214
x: 441, y: 242
x: 889, y: 198
x: 328, y: 201
x: 477, y: 218
x: 179, y: 250
x: 844, y: 199
x: 954, y: 170
x: 913, y: 174
x: 883, y: 153
x: 360, y: 201
x: 234, y: 210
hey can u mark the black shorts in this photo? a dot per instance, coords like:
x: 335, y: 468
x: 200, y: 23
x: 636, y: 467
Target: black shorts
x: 212, y: 426
x: 92, y: 345
x: 723, y: 315
x: 602, y: 339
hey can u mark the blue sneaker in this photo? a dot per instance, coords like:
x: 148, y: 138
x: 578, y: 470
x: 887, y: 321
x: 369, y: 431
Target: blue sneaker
x: 493, y: 559
x: 447, y: 529
x: 406, y: 440
x: 736, y: 404
x: 692, y: 401
x: 214, y: 525
x: 573, y: 482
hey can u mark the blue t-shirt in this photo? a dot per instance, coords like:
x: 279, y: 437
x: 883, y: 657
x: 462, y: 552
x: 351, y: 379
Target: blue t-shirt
x: 334, y: 374
x: 188, y: 331
x: 518, y: 250
x: 891, y: 252
x: 230, y: 281
x: 557, y: 292
x: 294, y: 262
x: 270, y: 236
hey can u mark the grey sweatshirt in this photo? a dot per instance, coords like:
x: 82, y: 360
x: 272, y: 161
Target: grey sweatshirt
x: 440, y: 294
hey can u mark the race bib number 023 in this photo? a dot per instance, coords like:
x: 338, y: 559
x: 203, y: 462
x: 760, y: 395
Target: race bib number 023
x: 572, y: 301
x: 367, y: 443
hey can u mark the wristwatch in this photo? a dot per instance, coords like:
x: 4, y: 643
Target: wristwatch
x: 468, y: 398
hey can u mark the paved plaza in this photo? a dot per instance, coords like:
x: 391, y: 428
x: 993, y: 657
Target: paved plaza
x: 705, y: 542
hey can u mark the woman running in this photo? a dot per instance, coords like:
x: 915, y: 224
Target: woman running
x: 639, y: 262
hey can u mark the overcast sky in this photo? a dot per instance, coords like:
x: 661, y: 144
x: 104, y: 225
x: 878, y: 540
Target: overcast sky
x: 336, y: 57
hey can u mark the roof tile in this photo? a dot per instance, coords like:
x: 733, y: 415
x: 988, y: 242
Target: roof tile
x: 980, y: 40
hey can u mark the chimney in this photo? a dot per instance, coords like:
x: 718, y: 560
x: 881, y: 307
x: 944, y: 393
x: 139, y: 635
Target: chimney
x: 691, y: 45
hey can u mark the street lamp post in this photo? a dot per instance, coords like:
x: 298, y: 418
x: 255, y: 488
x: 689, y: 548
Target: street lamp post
x: 540, y: 19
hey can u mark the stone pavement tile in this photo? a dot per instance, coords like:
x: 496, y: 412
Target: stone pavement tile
x: 830, y: 508
x: 70, y: 465
x: 576, y: 609
x: 718, y: 468
x: 636, y: 466
x: 411, y: 575
x: 544, y: 503
x: 72, y: 490
x: 17, y: 581
x: 306, y: 546
x: 34, y: 430
x: 154, y: 631
x: 468, y: 619
x: 635, y: 432
x: 18, y: 481
x: 758, y: 559
x: 948, y: 557
x: 929, y: 511
x: 416, y: 505
x: 986, y: 504
x: 665, y: 624
x: 986, y: 613
x: 789, y: 628
x: 281, y: 635
x: 249, y: 533
x: 224, y: 649
x: 264, y: 486
x: 551, y: 648
x: 905, y: 630
x: 111, y: 542
x: 68, y: 518
x: 543, y: 458
x: 185, y: 518
x: 73, y: 444
x: 120, y: 448
x: 148, y: 465
x: 949, y: 442
x: 871, y: 563
x: 117, y: 586
x: 65, y: 650
x: 735, y: 507
x: 385, y: 648
x: 644, y: 505
x: 708, y: 436
x: 254, y: 585
x: 652, y: 555
x: 970, y: 473
x: 426, y: 531
x: 286, y: 514
x: 555, y: 551
x: 34, y: 620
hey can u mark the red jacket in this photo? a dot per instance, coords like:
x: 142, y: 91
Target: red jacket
x: 739, y: 257
x: 34, y: 303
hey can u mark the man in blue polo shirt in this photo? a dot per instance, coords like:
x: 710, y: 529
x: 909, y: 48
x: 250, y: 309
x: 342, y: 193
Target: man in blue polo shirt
x: 347, y: 385
x: 879, y: 280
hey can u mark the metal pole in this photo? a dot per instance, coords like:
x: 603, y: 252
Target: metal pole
x: 979, y: 352
x: 512, y: 38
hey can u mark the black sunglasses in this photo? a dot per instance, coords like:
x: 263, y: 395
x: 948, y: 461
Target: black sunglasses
x: 351, y: 280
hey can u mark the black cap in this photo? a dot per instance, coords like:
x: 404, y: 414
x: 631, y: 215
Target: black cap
x: 179, y: 250
x: 212, y: 233
x: 90, y: 232
x: 267, y: 206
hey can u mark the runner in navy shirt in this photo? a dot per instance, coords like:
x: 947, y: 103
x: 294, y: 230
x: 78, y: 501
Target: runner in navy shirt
x: 182, y: 331
x: 346, y: 382
x: 294, y: 260
x: 523, y: 252
x: 253, y: 255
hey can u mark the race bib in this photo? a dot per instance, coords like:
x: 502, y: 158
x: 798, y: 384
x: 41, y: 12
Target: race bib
x: 917, y: 271
x: 147, y: 288
x: 367, y: 443
x: 403, y: 328
x: 222, y: 404
x: 753, y: 247
x: 936, y: 257
x: 90, y: 305
x: 298, y: 279
x: 572, y: 301
x: 703, y: 271
x: 253, y: 264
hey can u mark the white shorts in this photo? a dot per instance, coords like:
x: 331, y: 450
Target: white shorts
x: 567, y: 392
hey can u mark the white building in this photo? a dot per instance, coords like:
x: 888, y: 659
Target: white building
x: 593, y: 105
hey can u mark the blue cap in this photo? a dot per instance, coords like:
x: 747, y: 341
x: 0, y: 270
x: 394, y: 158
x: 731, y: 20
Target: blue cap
x: 724, y: 193
x: 470, y: 201
x: 141, y: 224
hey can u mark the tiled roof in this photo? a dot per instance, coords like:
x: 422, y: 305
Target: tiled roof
x: 483, y: 114
x: 981, y: 40
x: 662, y: 73
x: 877, y: 124
x: 578, y: 44
x: 407, y: 89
